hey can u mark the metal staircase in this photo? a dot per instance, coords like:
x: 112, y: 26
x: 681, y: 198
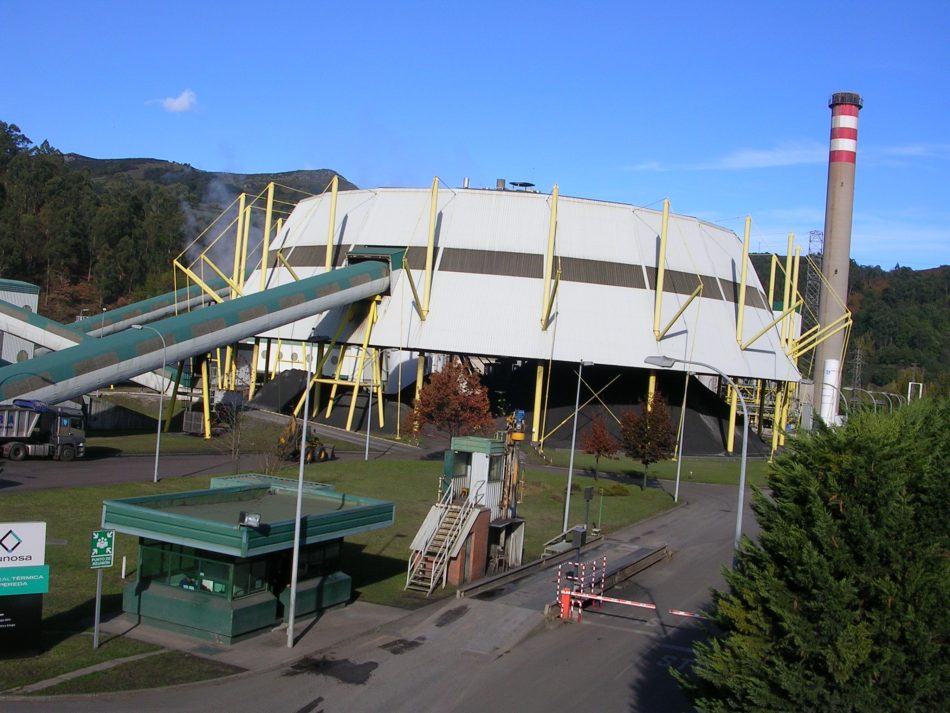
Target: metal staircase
x: 448, y: 524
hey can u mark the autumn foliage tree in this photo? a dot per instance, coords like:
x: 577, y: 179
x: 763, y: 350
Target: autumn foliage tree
x: 454, y: 401
x: 598, y: 442
x: 648, y: 436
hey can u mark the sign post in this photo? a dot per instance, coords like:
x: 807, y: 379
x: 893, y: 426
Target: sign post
x: 101, y: 555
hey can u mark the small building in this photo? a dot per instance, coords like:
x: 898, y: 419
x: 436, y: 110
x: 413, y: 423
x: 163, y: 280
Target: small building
x: 474, y: 529
x: 204, y: 573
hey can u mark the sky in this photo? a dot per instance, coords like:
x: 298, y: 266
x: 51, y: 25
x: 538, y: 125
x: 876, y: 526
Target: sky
x: 722, y: 107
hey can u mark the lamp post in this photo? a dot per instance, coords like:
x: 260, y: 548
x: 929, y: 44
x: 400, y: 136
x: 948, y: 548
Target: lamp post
x: 161, y: 397
x: 666, y: 362
x: 570, y: 467
x: 295, y: 563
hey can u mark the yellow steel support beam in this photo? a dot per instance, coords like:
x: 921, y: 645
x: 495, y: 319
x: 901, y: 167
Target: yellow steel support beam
x: 550, y: 300
x: 538, y: 391
x: 265, y: 245
x: 255, y: 355
x: 549, y: 261
x: 244, y: 240
x: 322, y: 352
x: 171, y: 408
x: 772, y: 265
x: 235, y: 287
x: 331, y: 229
x: 661, y: 269
x: 731, y: 433
x: 766, y: 328
x: 416, y: 302
x: 595, y: 396
x: 378, y: 385
x: 651, y: 390
x: 776, y: 418
x: 796, y: 295
x: 788, y: 288
x: 206, y: 396
x: 361, y: 361
x: 420, y: 374
x: 805, y: 345
x: 238, y: 238
x: 743, y: 277
x: 283, y: 261
x: 430, y: 246
x: 336, y: 381
x: 198, y: 281
x: 693, y: 296
x: 276, y: 367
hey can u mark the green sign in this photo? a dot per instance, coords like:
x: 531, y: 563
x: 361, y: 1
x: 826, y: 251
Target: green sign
x: 24, y: 580
x: 102, y: 549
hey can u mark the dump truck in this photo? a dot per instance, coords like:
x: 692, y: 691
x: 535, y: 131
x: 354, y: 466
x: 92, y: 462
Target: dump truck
x: 33, y: 428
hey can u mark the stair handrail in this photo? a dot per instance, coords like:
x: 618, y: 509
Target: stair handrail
x: 440, y: 561
x: 416, y: 558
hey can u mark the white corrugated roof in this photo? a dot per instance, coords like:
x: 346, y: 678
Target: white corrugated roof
x: 499, y: 314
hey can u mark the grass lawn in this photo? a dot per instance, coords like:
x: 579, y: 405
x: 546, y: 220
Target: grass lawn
x: 376, y: 560
x: 721, y: 470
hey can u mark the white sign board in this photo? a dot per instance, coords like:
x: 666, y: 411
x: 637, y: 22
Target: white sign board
x: 22, y: 544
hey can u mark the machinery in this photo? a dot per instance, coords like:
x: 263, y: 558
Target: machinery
x: 288, y: 445
x: 32, y: 428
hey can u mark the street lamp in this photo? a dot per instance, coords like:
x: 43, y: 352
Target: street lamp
x: 666, y: 362
x: 161, y: 397
x: 295, y: 560
x: 570, y: 467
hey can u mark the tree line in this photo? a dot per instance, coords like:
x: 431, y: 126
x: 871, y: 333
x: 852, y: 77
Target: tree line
x: 82, y: 239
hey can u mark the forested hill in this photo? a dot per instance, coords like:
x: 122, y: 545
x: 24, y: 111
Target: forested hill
x: 901, y: 325
x: 97, y: 233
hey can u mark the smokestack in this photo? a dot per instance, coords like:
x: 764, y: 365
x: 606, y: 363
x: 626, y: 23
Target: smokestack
x: 836, y: 254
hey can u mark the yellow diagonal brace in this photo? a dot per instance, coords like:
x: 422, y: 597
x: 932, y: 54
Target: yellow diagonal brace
x: 550, y: 301
x: 283, y: 261
x: 417, y: 305
x: 693, y: 296
x: 235, y: 287
x: 766, y: 328
x: 198, y: 281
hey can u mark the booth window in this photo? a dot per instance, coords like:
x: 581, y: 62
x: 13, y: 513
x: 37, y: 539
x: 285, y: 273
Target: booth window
x: 319, y: 560
x: 249, y: 577
x: 185, y: 568
x: 496, y: 468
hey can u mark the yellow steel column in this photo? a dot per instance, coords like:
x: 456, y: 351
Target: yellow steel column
x: 378, y: 385
x: 360, y: 363
x: 776, y: 418
x: 660, y: 268
x: 265, y: 245
x: 743, y: 276
x: 171, y: 407
x: 538, y: 390
x: 238, y: 237
x: 321, y: 358
x: 549, y: 260
x: 276, y: 367
x: 331, y: 230
x: 731, y: 433
x: 244, y: 241
x: 651, y: 390
x: 772, y: 265
x: 336, y: 381
x: 788, y: 288
x: 255, y: 355
x: 206, y: 396
x: 267, y: 359
x: 795, y: 292
x: 786, y: 402
x: 430, y: 247
x: 420, y: 374
x: 218, y: 376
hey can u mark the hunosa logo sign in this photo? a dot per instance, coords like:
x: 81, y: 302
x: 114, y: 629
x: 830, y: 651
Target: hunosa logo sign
x: 22, y: 543
x: 10, y: 542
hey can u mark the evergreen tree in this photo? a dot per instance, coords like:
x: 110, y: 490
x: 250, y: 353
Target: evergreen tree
x: 841, y: 605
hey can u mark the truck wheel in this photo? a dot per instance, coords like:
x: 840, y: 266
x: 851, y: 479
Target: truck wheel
x: 17, y: 451
x: 67, y: 453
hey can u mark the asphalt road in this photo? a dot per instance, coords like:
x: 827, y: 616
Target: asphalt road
x: 497, y: 653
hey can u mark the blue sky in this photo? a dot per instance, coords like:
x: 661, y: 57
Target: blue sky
x: 720, y: 106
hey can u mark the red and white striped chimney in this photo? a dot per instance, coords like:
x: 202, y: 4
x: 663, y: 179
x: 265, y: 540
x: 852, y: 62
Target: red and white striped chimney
x: 836, y: 255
